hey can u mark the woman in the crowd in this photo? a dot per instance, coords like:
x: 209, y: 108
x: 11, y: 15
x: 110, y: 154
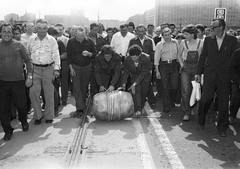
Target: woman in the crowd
x: 189, y: 52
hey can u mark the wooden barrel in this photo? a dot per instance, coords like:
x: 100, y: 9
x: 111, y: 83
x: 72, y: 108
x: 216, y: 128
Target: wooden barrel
x: 112, y: 106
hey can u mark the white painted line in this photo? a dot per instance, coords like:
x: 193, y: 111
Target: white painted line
x: 163, y: 139
x: 146, y: 156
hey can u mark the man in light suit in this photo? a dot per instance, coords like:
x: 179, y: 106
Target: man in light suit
x: 213, y: 64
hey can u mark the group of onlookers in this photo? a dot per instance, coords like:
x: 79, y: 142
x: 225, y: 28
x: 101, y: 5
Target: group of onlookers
x: 34, y: 65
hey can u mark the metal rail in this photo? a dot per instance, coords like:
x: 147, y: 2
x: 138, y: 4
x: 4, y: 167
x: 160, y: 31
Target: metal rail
x: 74, y: 151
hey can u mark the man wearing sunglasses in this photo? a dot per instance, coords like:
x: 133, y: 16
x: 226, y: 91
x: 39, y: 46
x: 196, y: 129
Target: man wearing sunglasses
x: 213, y: 64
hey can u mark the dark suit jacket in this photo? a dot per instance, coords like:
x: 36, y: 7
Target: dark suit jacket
x: 147, y: 46
x: 214, y: 62
x: 137, y: 74
x: 107, y: 73
x: 234, y: 67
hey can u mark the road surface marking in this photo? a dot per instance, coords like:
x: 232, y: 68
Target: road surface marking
x: 146, y: 156
x: 163, y: 139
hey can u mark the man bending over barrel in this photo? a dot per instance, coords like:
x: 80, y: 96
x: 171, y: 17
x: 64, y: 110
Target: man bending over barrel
x: 137, y: 65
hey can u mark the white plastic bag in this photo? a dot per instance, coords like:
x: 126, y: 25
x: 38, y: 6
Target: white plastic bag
x: 196, y: 93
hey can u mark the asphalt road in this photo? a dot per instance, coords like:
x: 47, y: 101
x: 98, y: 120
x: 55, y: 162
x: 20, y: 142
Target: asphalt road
x: 155, y: 140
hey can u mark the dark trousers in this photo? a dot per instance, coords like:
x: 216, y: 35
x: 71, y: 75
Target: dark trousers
x: 151, y: 97
x: 64, y: 81
x: 223, y: 91
x: 141, y: 92
x: 80, y: 85
x: 169, y: 76
x: 15, y: 92
x: 235, y: 100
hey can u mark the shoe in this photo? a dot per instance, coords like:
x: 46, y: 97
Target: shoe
x: 200, y: 128
x: 37, y: 122
x: 64, y: 103
x: 49, y: 121
x: 25, y: 126
x: 186, y: 118
x: 222, y: 134
x: 177, y: 105
x: 137, y: 114
x: 77, y: 113
x: 231, y: 119
x: 8, y: 135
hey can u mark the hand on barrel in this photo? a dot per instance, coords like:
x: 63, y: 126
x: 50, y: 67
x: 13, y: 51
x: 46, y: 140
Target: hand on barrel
x: 123, y: 87
x: 110, y: 89
x: 102, y: 89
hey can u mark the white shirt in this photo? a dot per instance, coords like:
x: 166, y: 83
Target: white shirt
x: 219, y: 41
x: 26, y: 37
x: 64, y: 39
x: 120, y: 43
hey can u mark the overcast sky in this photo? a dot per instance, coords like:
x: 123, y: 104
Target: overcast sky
x: 108, y: 9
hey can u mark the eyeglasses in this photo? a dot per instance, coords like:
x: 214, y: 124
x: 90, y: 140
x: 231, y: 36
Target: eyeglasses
x: 213, y: 27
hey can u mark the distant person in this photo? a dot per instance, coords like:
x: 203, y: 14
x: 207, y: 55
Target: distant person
x: 29, y: 31
x: 109, y: 36
x: 17, y: 31
x: 201, y: 31
x: 207, y: 31
x: 64, y: 65
x: 101, y: 30
x: 120, y: 41
x: 72, y: 31
x: 213, y: 64
x: 158, y: 37
x: 131, y: 27
x: 137, y: 66
x: 46, y: 63
x: 107, y: 69
x: 12, y: 81
x: 172, y: 26
x: 150, y: 31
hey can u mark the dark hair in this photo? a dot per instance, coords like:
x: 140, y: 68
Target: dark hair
x: 17, y: 27
x: 109, y: 29
x: 149, y: 25
x: 172, y: 24
x: 41, y: 21
x: 191, y: 29
x: 201, y: 27
x: 59, y: 24
x: 220, y: 21
x: 131, y: 24
x: 93, y: 25
x: 141, y: 26
x: 52, y: 31
x: 6, y: 24
x: 134, y: 50
x: 180, y: 35
x: 123, y: 26
x: 101, y: 25
x: 107, y: 49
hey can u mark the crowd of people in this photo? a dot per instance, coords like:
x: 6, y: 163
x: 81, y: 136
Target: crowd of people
x: 37, y: 60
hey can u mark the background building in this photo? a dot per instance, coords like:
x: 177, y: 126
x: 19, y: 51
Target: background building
x: 183, y: 12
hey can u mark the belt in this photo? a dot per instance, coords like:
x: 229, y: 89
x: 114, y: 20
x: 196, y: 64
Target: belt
x: 43, y: 65
x: 169, y: 61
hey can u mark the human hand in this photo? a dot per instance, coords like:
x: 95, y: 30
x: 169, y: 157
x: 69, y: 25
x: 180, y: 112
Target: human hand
x: 29, y: 82
x: 197, y: 78
x: 72, y: 71
x: 56, y: 74
x: 102, y: 89
x: 110, y: 89
x: 158, y: 75
x: 124, y: 87
x: 133, y: 88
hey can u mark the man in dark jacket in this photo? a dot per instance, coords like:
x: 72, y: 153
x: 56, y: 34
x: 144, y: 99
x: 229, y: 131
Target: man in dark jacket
x: 213, y: 64
x: 138, y: 66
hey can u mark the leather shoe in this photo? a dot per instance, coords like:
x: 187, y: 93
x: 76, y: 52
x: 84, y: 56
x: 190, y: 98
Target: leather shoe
x: 200, y: 128
x: 222, y: 134
x: 25, y: 126
x: 49, y: 121
x: 8, y: 135
x: 37, y: 122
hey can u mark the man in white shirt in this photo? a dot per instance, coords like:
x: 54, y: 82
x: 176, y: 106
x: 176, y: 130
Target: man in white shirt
x: 29, y: 31
x: 120, y: 41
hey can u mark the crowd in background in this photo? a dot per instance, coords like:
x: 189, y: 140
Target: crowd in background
x: 38, y: 60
